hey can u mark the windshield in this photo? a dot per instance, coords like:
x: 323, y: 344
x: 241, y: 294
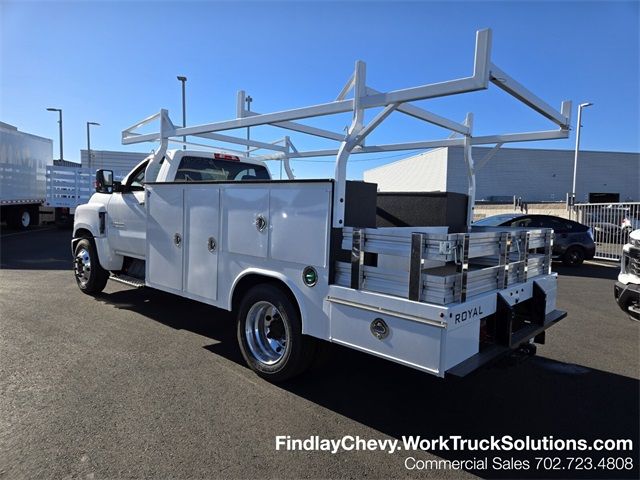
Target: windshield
x: 204, y: 169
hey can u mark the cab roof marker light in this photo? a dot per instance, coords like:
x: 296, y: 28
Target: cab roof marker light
x: 224, y: 156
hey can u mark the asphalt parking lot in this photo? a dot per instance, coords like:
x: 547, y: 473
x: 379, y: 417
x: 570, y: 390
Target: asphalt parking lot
x: 138, y: 383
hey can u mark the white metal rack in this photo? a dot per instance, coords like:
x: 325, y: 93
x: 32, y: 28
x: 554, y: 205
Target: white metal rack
x: 353, y: 141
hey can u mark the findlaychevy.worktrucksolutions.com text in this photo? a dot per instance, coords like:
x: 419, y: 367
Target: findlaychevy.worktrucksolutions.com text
x: 505, y: 443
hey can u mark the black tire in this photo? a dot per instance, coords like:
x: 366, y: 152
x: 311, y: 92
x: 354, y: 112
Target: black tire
x: 574, y: 256
x: 259, y: 342
x: 90, y: 277
x: 21, y: 218
x: 63, y: 220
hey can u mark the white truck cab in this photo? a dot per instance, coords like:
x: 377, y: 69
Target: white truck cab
x: 298, y: 261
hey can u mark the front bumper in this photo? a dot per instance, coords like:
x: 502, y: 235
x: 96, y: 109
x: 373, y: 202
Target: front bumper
x: 626, y: 295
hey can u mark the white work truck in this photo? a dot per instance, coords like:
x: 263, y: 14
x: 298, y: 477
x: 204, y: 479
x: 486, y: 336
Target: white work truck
x: 302, y: 261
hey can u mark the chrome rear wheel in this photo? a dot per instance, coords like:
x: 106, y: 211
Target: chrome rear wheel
x: 267, y: 333
x: 270, y: 333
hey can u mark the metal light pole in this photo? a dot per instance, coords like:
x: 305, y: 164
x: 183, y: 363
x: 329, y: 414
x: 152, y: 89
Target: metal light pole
x: 575, y: 158
x: 183, y: 80
x: 59, y: 110
x: 248, y: 100
x: 89, y: 142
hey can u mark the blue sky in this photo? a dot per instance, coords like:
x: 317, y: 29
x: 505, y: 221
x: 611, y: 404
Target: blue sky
x: 116, y: 63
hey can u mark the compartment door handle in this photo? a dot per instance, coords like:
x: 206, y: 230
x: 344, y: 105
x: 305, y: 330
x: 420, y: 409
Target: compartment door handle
x: 211, y: 244
x: 261, y: 223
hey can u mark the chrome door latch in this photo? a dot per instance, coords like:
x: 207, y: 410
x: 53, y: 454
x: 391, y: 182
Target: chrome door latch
x: 211, y: 244
x: 261, y: 223
x: 379, y: 329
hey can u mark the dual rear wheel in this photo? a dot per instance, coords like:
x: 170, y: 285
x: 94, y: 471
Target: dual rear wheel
x: 270, y: 334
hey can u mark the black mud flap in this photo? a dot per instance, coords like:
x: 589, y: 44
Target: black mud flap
x: 512, y: 326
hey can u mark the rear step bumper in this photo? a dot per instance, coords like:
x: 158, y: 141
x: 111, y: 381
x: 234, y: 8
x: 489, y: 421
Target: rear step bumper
x: 494, y: 352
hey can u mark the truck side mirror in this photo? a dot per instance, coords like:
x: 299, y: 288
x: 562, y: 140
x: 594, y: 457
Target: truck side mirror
x: 104, y: 181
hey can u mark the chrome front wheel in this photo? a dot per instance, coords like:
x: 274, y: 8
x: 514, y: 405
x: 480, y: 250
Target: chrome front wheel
x: 89, y: 274
x: 82, y: 266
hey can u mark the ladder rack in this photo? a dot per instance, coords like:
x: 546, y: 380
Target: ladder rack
x: 362, y: 98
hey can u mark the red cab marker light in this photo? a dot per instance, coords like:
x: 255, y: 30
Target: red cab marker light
x: 224, y: 156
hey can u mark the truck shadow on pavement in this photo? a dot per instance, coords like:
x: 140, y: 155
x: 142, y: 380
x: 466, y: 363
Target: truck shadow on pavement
x: 41, y: 248
x: 539, y: 397
x: 181, y: 314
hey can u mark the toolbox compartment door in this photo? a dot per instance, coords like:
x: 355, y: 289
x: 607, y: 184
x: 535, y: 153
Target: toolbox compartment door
x: 245, y: 220
x: 405, y: 341
x: 202, y: 224
x: 165, y: 237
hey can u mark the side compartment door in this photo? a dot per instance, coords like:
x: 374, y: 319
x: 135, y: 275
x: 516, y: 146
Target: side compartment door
x: 165, y: 237
x: 245, y: 220
x: 202, y: 226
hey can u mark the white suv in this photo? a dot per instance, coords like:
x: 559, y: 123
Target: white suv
x: 627, y: 288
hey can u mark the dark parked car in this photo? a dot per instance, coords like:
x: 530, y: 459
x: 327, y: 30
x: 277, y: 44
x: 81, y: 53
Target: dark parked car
x: 573, y: 241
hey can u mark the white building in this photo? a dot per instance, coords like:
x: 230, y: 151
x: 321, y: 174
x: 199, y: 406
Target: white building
x: 112, y: 160
x: 533, y: 174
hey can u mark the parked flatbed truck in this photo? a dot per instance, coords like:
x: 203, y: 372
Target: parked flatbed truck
x: 302, y: 261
